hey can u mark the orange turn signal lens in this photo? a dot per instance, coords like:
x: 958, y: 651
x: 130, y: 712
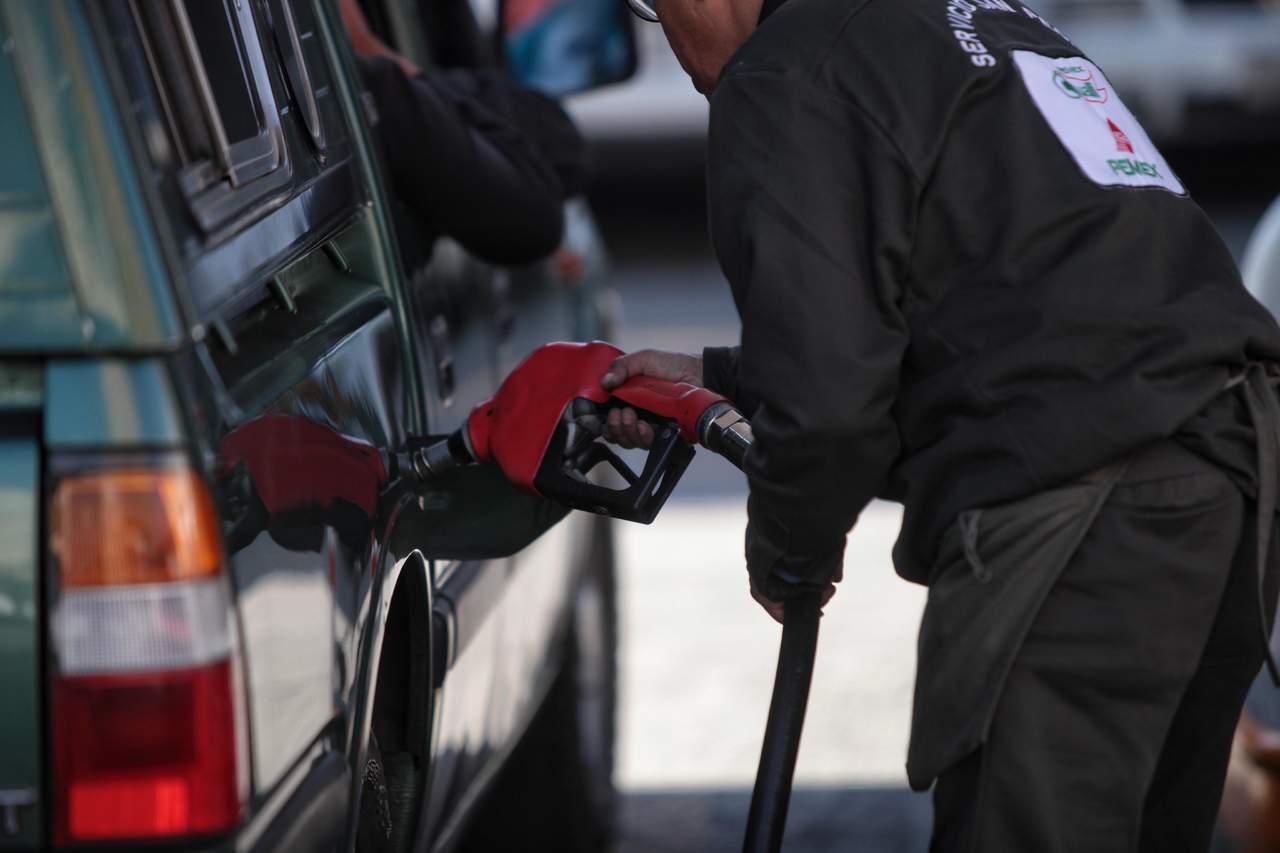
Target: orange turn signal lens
x: 112, y: 528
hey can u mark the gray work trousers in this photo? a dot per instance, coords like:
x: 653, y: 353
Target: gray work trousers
x: 1083, y: 659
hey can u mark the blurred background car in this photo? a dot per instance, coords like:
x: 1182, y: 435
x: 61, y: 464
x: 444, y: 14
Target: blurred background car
x: 1260, y: 265
x: 1203, y: 73
x: 653, y: 123
x: 1195, y: 72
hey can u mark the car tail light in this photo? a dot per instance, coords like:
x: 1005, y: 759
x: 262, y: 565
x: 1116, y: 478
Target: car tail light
x: 113, y: 528
x: 147, y: 716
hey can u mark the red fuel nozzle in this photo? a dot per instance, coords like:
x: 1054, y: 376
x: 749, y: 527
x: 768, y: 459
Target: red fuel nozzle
x: 541, y: 428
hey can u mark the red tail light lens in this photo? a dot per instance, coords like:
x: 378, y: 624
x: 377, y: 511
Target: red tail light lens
x: 146, y: 755
x: 147, y: 719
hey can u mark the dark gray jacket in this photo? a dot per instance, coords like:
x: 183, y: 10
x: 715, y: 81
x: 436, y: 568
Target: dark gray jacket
x: 964, y: 273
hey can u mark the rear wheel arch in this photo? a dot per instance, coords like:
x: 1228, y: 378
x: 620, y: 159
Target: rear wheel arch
x: 392, y: 720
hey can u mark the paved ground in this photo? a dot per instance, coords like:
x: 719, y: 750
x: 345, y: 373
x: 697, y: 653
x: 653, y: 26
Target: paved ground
x: 698, y: 655
x: 698, y: 664
x: 862, y: 819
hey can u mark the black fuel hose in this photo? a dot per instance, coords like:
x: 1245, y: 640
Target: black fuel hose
x: 726, y: 431
x: 767, y: 818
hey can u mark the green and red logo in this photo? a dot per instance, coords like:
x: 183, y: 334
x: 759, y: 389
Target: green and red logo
x: 1076, y: 82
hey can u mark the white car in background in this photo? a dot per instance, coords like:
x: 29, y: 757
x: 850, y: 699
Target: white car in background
x: 1260, y: 265
x: 658, y: 104
x: 1197, y: 72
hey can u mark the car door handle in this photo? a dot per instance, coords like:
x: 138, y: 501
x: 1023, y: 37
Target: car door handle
x: 442, y: 353
x: 504, y: 313
x: 505, y: 322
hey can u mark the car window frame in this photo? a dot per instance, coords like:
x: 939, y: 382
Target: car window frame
x: 241, y: 176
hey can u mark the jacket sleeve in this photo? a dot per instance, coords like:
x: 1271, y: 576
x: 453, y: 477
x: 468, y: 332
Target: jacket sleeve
x: 811, y: 206
x: 457, y: 157
x: 720, y: 374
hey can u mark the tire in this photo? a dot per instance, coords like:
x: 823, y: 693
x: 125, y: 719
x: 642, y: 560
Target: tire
x: 374, y: 832
x: 388, y: 801
x: 393, y: 774
x: 557, y: 791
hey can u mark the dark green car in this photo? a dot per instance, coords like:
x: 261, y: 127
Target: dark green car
x: 225, y: 622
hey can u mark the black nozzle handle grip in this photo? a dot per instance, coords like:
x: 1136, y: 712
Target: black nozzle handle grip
x: 723, y: 429
x: 769, y: 800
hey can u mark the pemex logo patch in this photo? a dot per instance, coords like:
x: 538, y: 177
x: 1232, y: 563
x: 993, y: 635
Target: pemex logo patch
x: 1092, y: 123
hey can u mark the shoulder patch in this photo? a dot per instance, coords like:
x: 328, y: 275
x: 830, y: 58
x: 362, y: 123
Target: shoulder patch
x: 1093, y: 124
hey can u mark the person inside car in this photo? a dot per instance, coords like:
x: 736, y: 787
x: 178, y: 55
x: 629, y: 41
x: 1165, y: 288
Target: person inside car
x: 470, y: 155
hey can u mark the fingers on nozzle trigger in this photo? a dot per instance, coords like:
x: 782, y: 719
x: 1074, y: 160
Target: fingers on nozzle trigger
x: 613, y: 376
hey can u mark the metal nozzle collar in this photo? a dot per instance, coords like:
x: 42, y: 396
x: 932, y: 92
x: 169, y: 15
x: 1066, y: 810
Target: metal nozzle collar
x: 724, y: 430
x: 435, y: 459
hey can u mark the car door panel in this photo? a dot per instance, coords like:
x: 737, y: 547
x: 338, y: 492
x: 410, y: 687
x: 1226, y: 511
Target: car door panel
x: 546, y: 300
x: 463, y: 744
x: 301, y: 563
x: 451, y: 302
